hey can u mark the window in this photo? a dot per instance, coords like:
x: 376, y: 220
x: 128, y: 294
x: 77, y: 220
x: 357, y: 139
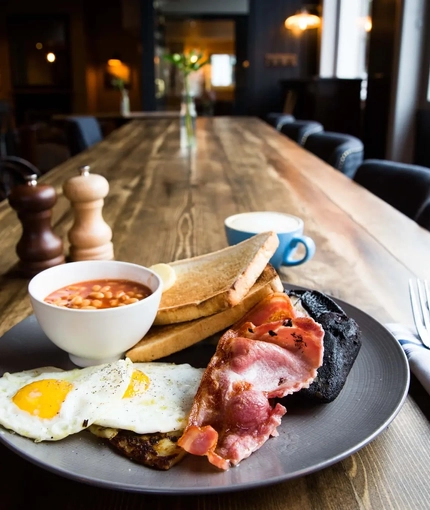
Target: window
x: 222, y: 70
x: 344, y: 41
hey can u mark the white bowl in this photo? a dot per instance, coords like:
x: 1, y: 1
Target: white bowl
x: 93, y: 337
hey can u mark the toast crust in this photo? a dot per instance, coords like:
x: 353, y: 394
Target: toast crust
x: 213, y: 282
x: 161, y: 341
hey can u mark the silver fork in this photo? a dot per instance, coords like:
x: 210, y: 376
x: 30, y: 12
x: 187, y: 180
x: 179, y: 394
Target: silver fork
x: 420, y: 299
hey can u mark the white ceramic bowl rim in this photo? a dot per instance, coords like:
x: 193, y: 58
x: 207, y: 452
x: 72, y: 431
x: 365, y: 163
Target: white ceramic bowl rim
x: 36, y: 280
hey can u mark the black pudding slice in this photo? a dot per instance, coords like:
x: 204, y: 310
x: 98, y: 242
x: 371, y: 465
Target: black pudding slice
x: 342, y: 343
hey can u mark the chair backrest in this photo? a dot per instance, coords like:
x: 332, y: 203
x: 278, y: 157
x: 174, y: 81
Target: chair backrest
x: 404, y: 186
x: 343, y: 152
x: 300, y: 130
x: 13, y: 170
x: 8, y: 133
x: 82, y: 132
x: 277, y: 120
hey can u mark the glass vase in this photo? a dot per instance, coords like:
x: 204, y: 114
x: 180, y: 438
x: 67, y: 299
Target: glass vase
x: 124, y: 103
x: 188, y: 122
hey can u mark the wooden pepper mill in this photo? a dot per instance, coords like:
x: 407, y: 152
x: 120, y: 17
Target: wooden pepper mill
x: 90, y: 236
x: 39, y: 247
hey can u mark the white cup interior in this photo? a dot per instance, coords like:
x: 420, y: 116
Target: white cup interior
x: 263, y: 221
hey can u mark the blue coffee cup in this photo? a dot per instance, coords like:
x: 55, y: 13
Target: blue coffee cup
x: 289, y: 229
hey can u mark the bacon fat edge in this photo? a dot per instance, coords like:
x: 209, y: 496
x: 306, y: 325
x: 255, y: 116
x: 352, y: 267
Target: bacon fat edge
x: 233, y: 413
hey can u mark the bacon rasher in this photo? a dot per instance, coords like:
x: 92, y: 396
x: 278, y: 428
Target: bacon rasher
x: 233, y: 412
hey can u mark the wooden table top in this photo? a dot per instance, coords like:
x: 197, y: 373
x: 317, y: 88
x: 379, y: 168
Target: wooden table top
x: 165, y: 204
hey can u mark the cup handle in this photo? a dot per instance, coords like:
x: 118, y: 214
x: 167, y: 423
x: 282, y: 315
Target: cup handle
x: 309, y: 245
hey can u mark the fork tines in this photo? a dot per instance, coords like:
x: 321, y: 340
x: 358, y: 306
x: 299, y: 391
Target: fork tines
x: 420, y: 299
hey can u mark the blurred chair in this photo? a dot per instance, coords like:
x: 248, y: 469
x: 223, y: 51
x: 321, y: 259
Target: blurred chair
x: 277, y: 120
x: 13, y: 171
x: 300, y: 130
x: 82, y: 133
x: 343, y: 152
x: 8, y: 133
x: 404, y: 186
x: 43, y: 144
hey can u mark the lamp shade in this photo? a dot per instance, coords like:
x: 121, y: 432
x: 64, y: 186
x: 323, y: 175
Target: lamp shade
x: 114, y: 60
x: 302, y: 20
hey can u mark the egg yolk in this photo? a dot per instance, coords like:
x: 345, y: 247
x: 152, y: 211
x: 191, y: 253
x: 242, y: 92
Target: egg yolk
x: 138, y: 384
x: 42, y: 398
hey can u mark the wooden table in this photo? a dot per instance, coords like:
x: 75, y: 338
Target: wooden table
x: 165, y: 204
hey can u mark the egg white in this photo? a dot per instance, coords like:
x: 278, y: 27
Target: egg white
x: 94, y: 390
x: 163, y: 406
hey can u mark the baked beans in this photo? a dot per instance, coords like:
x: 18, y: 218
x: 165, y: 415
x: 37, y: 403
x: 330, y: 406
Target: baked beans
x: 98, y: 294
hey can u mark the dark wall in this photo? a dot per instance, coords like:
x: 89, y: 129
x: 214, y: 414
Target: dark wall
x: 241, y: 73
x: 148, y: 19
x: 422, y: 138
x: 334, y: 102
x: 422, y: 123
x: 267, y: 34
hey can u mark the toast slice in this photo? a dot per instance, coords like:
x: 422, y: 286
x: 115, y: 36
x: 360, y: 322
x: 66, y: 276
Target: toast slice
x: 213, y: 282
x: 161, y: 341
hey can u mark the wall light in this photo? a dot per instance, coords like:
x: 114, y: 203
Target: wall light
x: 114, y: 62
x: 50, y: 57
x: 302, y: 20
x: 368, y: 24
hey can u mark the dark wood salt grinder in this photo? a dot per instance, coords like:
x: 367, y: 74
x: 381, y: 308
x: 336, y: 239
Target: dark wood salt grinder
x: 39, y: 247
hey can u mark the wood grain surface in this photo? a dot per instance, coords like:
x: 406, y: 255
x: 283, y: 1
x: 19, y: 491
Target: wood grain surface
x: 165, y: 204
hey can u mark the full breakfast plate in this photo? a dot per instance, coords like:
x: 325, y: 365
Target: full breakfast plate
x: 311, y: 437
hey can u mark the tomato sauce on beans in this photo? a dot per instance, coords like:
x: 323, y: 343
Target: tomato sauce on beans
x: 98, y: 294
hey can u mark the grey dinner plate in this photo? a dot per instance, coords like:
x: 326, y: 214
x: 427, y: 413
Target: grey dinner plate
x: 310, y: 437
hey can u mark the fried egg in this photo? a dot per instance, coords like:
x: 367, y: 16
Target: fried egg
x: 48, y: 404
x: 158, y: 399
